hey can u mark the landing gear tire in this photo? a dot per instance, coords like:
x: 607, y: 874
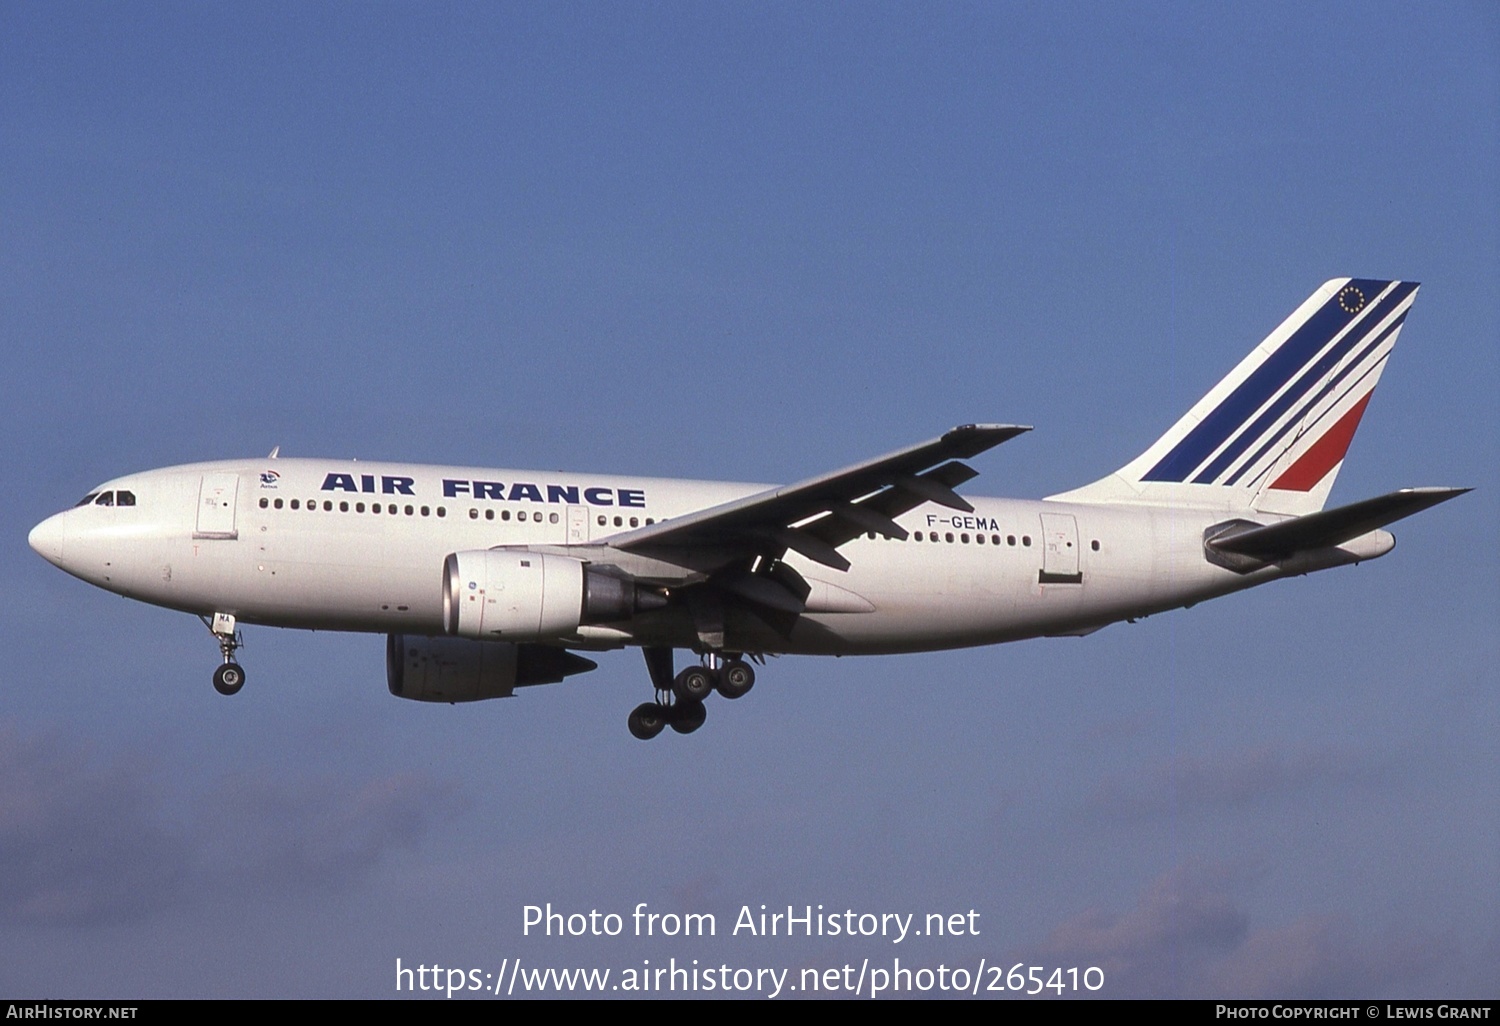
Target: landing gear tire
x: 736, y: 679
x: 229, y: 678
x: 693, y: 684
x: 688, y: 717
x: 647, y: 720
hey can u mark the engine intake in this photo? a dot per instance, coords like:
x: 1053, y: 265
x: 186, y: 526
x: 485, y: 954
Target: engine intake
x: 532, y: 596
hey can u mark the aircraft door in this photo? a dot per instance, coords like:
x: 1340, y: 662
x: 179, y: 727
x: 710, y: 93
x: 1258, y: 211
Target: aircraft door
x: 1059, y: 550
x: 216, y: 501
x: 578, y: 525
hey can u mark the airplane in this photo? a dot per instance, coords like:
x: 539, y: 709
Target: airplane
x: 485, y: 581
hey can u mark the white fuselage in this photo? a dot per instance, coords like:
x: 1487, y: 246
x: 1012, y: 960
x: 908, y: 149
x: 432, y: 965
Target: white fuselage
x: 360, y: 547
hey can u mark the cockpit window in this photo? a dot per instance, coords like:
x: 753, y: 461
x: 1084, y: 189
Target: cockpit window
x: 90, y: 497
x: 105, y: 499
x: 123, y: 498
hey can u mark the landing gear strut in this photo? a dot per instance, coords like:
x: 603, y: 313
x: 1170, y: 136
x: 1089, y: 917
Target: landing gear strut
x: 679, y: 699
x: 230, y: 676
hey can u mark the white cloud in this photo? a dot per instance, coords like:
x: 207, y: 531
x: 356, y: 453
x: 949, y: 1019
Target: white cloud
x: 86, y: 842
x: 1188, y: 936
x: 1234, y: 779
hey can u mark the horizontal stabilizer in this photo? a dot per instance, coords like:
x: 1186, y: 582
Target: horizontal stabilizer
x: 1329, y: 527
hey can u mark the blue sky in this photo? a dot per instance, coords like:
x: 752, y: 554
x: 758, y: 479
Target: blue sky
x: 755, y: 242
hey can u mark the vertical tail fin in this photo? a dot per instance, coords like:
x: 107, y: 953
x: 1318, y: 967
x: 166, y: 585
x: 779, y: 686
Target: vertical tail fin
x: 1272, y: 435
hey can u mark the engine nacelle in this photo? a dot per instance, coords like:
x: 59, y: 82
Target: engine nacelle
x: 460, y: 670
x: 532, y: 596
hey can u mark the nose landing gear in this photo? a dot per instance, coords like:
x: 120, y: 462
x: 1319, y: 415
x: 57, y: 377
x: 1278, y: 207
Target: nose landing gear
x: 230, y: 676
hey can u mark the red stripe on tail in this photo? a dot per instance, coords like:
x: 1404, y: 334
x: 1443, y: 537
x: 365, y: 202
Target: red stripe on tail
x: 1325, y: 453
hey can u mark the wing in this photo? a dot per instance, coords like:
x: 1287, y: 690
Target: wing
x: 816, y: 516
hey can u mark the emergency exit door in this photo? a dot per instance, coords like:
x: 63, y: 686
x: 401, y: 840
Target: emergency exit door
x: 1059, y: 550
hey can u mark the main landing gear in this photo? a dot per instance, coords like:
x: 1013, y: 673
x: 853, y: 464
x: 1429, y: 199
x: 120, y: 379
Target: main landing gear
x: 679, y: 699
x: 230, y: 676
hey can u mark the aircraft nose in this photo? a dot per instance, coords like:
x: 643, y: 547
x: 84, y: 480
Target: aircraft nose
x: 47, y: 539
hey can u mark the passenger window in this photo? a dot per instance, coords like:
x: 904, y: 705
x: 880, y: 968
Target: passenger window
x: 409, y: 511
x: 277, y: 503
x: 473, y: 513
x: 1094, y: 544
x: 442, y: 511
x: 948, y: 537
x: 964, y: 538
x: 505, y: 514
x: 489, y: 514
x: 603, y: 520
x: 1026, y: 540
x: 295, y: 505
x: 634, y: 522
x: 425, y: 511
x: 343, y: 507
x: 1010, y: 540
x: 264, y: 502
x: 552, y: 518
x: 327, y: 505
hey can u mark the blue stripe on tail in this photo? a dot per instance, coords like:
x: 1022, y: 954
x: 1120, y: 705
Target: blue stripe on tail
x: 1314, y: 374
x: 1280, y: 367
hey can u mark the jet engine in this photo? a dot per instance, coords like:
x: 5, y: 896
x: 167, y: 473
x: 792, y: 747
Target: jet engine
x: 460, y: 670
x: 532, y: 596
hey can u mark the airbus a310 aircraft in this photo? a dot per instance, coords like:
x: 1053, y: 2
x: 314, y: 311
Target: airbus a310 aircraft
x: 484, y: 580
